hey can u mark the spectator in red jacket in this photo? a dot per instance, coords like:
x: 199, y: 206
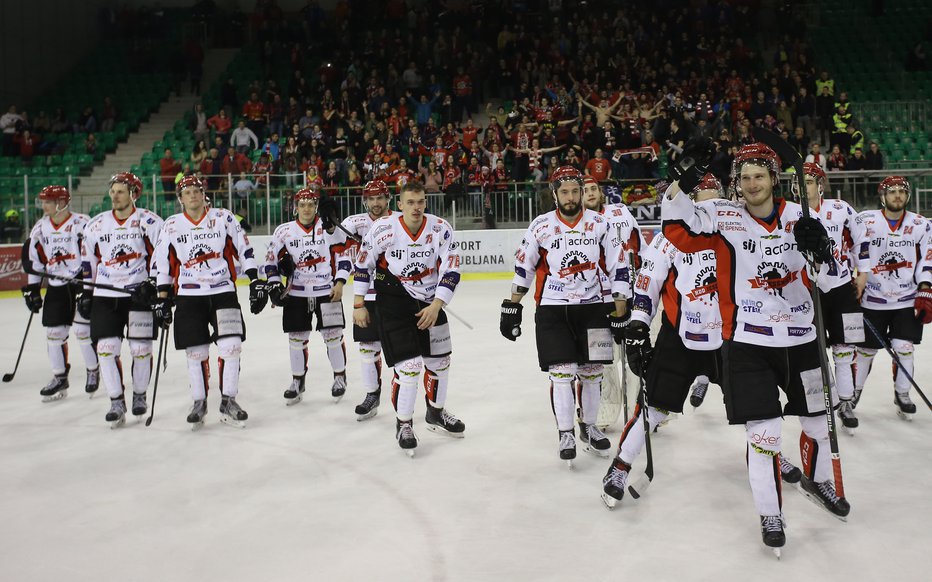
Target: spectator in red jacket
x: 168, y: 169
x: 598, y: 167
x: 221, y: 124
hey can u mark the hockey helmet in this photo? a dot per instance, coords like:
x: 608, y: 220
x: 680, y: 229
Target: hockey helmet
x: 376, y: 188
x: 189, y: 182
x: 58, y: 194
x: 890, y: 183
x: 132, y: 182
x: 312, y: 192
x: 758, y: 154
x: 708, y: 182
x: 565, y: 174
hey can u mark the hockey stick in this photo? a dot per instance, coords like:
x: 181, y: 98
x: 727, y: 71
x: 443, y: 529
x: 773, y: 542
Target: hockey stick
x: 134, y: 291
x: 896, y: 360
x: 791, y: 157
x: 158, y: 368
x: 461, y: 320
x: 8, y: 377
x: 624, y: 383
x: 641, y: 485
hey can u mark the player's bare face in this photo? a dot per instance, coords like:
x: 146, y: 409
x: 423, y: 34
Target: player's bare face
x: 377, y: 206
x: 569, y: 199
x: 193, y: 201
x: 812, y: 191
x: 307, y: 210
x: 895, y: 199
x: 703, y: 195
x: 757, y: 189
x: 412, y: 205
x: 592, y: 196
x: 120, y: 198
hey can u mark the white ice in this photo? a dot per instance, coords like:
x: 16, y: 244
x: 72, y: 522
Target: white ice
x: 309, y: 493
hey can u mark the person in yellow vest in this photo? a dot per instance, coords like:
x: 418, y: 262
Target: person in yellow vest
x: 855, y: 139
x: 840, y: 122
x: 825, y: 81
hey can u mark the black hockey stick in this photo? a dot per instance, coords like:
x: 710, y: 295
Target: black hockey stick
x: 896, y: 360
x: 135, y: 291
x: 641, y: 485
x: 8, y: 377
x: 158, y: 368
x: 791, y: 157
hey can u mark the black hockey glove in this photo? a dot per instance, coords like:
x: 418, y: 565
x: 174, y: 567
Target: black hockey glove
x: 811, y: 237
x: 276, y: 293
x: 638, y: 348
x: 162, y: 312
x: 144, y: 293
x: 85, y: 301
x: 617, y: 324
x: 286, y: 266
x: 33, y: 297
x: 693, y: 164
x: 510, y: 322
x: 258, y: 296
x: 327, y: 210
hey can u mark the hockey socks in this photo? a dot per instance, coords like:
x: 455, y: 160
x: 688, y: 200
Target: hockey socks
x: 764, y: 441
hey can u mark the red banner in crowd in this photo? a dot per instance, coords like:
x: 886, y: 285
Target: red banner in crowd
x: 12, y: 277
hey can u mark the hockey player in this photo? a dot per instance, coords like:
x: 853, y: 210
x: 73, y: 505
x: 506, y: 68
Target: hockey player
x: 625, y: 235
x: 564, y: 250
x: 415, y: 264
x: 769, y: 337
x: 687, y: 345
x: 118, y: 249
x: 376, y: 197
x: 309, y: 252
x: 195, y: 262
x: 895, y: 285
x: 54, y: 246
x: 841, y: 312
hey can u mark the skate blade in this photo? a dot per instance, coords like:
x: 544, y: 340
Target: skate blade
x: 336, y: 399
x: 409, y: 452
x: 367, y: 416
x: 908, y: 417
x: 609, y: 501
x: 117, y: 423
x: 233, y: 422
x: 293, y: 401
x: 818, y: 502
x: 196, y: 426
x: 569, y: 464
x: 596, y: 452
x: 445, y: 432
x: 90, y: 395
x: 778, y: 552
x: 848, y: 430
x: 56, y: 396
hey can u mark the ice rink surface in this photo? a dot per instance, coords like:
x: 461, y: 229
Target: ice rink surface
x: 308, y: 493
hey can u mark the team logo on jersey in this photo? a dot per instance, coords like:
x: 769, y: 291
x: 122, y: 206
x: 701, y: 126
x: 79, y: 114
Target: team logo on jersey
x: 414, y: 273
x: 575, y: 264
x: 199, y: 255
x: 773, y: 276
x: 59, y: 255
x: 705, y: 286
x: 889, y: 265
x: 309, y: 259
x: 121, y: 255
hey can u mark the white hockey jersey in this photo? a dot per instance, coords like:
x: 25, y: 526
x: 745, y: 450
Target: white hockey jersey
x: 763, y: 283
x: 359, y: 224
x: 426, y: 262
x: 896, y: 257
x: 119, y: 252
x: 837, y: 217
x: 567, y: 260
x: 687, y: 284
x: 319, y: 257
x: 624, y: 234
x: 200, y: 258
x: 56, y: 248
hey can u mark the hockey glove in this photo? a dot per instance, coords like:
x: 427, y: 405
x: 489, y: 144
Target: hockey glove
x: 617, y: 324
x: 162, y: 312
x: 693, y: 164
x: 510, y: 322
x: 33, y: 297
x: 811, y: 237
x: 85, y: 301
x: 923, y: 305
x: 327, y: 210
x: 144, y: 293
x: 638, y: 349
x: 286, y: 266
x: 258, y: 296
x: 276, y: 293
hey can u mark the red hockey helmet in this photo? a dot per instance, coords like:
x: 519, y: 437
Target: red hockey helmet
x: 758, y: 154
x: 58, y: 194
x: 565, y: 174
x: 708, y: 182
x: 814, y: 170
x: 890, y: 183
x: 312, y: 192
x: 590, y: 180
x: 376, y: 188
x: 132, y: 182
x: 189, y: 182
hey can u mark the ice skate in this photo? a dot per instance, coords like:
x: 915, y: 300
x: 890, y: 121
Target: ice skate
x: 117, y: 415
x: 369, y: 406
x: 231, y: 413
x: 823, y: 494
x: 441, y: 421
x: 197, y: 414
x: 568, y: 446
x: 594, y: 440
x: 139, y: 404
x: 697, y: 392
x: 56, y: 389
x: 846, y: 413
x: 789, y: 472
x: 771, y: 530
x: 339, y: 387
x: 407, y: 440
x: 613, y: 484
x: 295, y: 393
x: 857, y: 397
x: 93, y: 382
x: 905, y: 408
